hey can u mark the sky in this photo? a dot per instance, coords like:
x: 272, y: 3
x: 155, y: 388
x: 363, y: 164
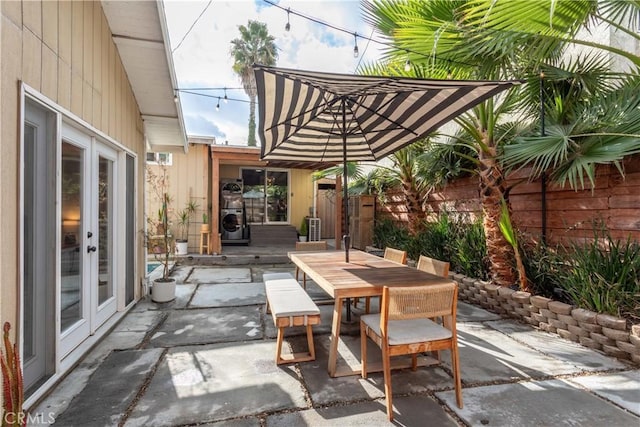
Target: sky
x: 202, y: 58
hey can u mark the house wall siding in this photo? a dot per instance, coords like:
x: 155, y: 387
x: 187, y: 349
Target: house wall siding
x: 64, y: 51
x: 188, y: 180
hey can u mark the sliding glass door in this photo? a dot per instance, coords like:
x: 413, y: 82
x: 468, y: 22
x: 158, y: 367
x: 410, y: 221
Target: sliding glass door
x: 266, y: 195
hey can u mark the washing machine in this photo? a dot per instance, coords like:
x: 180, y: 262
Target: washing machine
x: 231, y: 221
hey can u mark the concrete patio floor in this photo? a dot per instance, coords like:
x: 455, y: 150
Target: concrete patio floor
x: 207, y: 358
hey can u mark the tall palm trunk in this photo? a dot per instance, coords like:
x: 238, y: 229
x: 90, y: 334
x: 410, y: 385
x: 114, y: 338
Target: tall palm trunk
x: 492, y: 191
x: 251, y: 142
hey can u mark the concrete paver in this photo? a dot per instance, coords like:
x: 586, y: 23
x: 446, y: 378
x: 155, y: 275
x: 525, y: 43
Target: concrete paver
x: 410, y: 411
x: 536, y: 403
x: 201, y: 326
x: 111, y: 394
x: 471, y: 313
x: 579, y: 356
x: 217, y: 382
x: 325, y: 390
x: 220, y: 275
x: 214, y: 350
x: 620, y: 388
x: 139, y: 321
x: 487, y: 355
x: 228, y: 294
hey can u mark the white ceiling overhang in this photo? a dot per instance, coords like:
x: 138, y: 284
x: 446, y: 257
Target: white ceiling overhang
x: 139, y: 31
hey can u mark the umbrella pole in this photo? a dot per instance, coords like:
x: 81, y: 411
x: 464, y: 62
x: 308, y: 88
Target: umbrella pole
x: 345, y: 197
x: 346, y: 239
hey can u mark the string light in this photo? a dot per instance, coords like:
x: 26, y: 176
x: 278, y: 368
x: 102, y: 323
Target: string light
x: 407, y: 65
x: 369, y: 39
x: 226, y: 100
x: 287, y: 26
x: 212, y: 96
x: 218, y: 105
x: 355, y: 45
x: 175, y: 98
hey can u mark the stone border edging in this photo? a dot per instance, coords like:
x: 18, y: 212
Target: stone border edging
x: 602, y: 332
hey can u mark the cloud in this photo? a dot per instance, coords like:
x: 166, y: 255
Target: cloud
x: 203, y: 58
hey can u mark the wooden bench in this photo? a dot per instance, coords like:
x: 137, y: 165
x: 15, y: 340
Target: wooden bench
x: 290, y: 306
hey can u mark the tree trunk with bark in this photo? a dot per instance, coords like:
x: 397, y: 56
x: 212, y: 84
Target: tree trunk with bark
x: 492, y: 190
x: 415, y: 210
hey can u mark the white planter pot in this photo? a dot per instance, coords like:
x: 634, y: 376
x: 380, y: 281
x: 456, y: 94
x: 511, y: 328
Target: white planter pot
x: 302, y: 238
x: 163, y: 291
x: 182, y: 248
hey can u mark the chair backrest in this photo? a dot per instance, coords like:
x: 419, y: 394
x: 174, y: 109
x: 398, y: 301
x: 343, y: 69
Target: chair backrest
x: 413, y: 302
x: 433, y: 266
x: 312, y: 246
x: 395, y: 255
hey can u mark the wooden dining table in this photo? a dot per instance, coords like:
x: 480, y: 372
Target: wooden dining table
x: 364, y: 275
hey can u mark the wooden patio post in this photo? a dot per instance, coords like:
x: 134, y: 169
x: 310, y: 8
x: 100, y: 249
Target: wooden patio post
x: 215, y: 205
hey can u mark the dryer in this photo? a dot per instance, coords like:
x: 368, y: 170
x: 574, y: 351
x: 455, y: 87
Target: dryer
x: 231, y: 222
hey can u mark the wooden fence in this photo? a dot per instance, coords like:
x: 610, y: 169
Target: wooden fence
x: 614, y: 200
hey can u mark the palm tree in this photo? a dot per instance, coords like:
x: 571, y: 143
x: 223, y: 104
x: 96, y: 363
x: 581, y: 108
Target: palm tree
x: 255, y: 46
x: 408, y: 171
x: 488, y: 39
x: 434, y: 27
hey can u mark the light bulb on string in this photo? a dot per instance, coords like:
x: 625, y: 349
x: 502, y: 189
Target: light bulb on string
x: 218, y: 105
x: 226, y: 100
x: 407, y: 65
x: 287, y: 26
x: 355, y: 45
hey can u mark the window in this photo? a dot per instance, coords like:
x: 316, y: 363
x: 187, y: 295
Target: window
x: 159, y: 158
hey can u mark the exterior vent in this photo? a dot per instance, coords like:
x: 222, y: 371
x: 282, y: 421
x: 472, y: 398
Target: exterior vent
x: 314, y: 229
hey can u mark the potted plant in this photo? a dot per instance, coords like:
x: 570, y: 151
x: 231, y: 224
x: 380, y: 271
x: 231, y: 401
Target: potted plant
x: 302, y: 234
x: 184, y: 220
x: 164, y: 288
x: 204, y: 228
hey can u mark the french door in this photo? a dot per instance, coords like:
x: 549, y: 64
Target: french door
x: 87, y: 295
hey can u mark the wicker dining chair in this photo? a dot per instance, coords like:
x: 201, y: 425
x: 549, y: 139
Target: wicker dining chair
x: 395, y: 255
x: 403, y: 326
x: 391, y: 254
x: 309, y: 247
x: 433, y: 266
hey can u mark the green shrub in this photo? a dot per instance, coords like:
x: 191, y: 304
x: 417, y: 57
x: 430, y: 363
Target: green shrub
x: 434, y: 240
x: 449, y: 238
x: 386, y: 233
x: 541, y: 266
x: 469, y: 250
x: 603, y: 275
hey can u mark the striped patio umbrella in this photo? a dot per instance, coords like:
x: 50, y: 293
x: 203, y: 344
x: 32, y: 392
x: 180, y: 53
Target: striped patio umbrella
x: 308, y: 116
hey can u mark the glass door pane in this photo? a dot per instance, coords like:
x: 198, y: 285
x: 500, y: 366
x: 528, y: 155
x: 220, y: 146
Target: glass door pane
x: 39, y: 254
x: 130, y: 231
x: 253, y: 194
x: 103, y: 222
x: 105, y: 229
x: 71, y: 292
x: 277, y: 189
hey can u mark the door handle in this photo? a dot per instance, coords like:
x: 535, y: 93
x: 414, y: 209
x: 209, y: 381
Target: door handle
x: 91, y: 249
